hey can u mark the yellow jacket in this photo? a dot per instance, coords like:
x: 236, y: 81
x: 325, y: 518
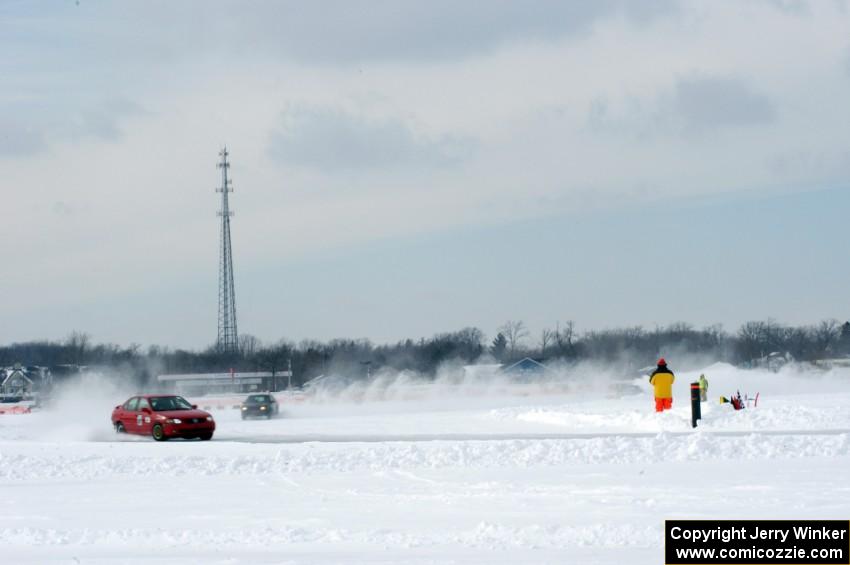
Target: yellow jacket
x: 662, y: 381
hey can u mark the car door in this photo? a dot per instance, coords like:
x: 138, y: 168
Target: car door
x: 144, y: 417
x: 128, y: 414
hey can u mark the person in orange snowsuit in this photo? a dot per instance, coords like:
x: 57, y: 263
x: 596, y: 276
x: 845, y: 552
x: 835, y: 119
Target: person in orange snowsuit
x: 662, y: 381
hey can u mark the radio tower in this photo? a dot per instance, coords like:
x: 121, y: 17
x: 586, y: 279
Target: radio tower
x: 227, y: 336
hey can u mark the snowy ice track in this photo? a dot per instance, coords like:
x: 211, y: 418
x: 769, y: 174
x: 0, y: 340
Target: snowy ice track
x: 474, y: 482
x: 416, y: 438
x: 483, y: 534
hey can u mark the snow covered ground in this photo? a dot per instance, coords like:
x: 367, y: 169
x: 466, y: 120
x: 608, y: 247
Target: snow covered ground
x: 436, y: 474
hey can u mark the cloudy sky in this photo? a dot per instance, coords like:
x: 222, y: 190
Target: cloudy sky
x: 404, y: 168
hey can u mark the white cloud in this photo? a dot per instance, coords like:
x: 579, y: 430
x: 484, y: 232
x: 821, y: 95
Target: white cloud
x: 333, y: 140
x: 847, y: 61
x: 19, y: 139
x: 342, y: 33
x: 716, y: 102
x: 36, y: 125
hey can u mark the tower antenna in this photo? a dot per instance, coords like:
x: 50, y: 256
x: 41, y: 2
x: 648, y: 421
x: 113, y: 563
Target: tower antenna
x: 227, y: 335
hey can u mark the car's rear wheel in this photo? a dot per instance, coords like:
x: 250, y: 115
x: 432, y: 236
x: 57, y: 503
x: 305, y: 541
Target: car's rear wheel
x: 206, y: 437
x: 157, y: 433
x: 119, y: 428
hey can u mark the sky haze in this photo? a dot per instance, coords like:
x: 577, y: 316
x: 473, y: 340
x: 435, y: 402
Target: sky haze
x: 405, y: 168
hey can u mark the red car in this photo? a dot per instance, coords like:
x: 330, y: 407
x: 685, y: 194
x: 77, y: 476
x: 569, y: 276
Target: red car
x: 163, y: 417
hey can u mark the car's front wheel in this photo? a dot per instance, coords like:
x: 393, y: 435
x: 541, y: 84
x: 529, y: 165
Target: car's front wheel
x: 158, y: 433
x: 119, y: 428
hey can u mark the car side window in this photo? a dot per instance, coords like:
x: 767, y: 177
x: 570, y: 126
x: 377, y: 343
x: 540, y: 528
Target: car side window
x: 143, y: 403
x: 131, y: 404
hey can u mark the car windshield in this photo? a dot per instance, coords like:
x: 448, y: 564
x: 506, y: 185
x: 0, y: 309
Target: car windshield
x: 166, y: 403
x: 258, y: 398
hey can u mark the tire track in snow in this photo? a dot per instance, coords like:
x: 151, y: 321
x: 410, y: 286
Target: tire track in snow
x: 417, y: 438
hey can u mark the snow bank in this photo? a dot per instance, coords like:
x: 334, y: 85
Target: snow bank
x: 772, y: 414
x: 486, y: 535
x: 85, y: 461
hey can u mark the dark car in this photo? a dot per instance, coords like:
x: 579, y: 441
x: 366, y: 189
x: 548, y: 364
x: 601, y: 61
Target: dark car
x: 163, y: 417
x: 262, y: 405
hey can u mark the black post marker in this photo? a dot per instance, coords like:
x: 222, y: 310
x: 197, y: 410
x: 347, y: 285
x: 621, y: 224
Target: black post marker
x: 695, y: 408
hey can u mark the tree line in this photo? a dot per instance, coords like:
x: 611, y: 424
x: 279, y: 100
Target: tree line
x: 631, y: 348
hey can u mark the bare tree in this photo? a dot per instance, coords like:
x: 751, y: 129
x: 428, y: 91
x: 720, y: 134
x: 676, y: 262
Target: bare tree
x: 514, y: 332
x: 826, y: 336
x: 714, y: 334
x: 275, y: 358
x: 78, y: 344
x: 249, y: 344
x: 564, y: 336
x: 751, y: 341
x: 546, y: 337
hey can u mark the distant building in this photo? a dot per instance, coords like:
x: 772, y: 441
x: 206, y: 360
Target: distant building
x: 827, y: 364
x: 482, y: 371
x: 15, y: 383
x: 198, y: 384
x: 775, y: 361
x: 522, y: 370
x: 526, y: 367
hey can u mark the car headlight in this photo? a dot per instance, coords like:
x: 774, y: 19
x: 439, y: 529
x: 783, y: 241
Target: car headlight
x: 173, y: 421
x: 209, y: 419
x: 262, y: 407
x: 244, y: 408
